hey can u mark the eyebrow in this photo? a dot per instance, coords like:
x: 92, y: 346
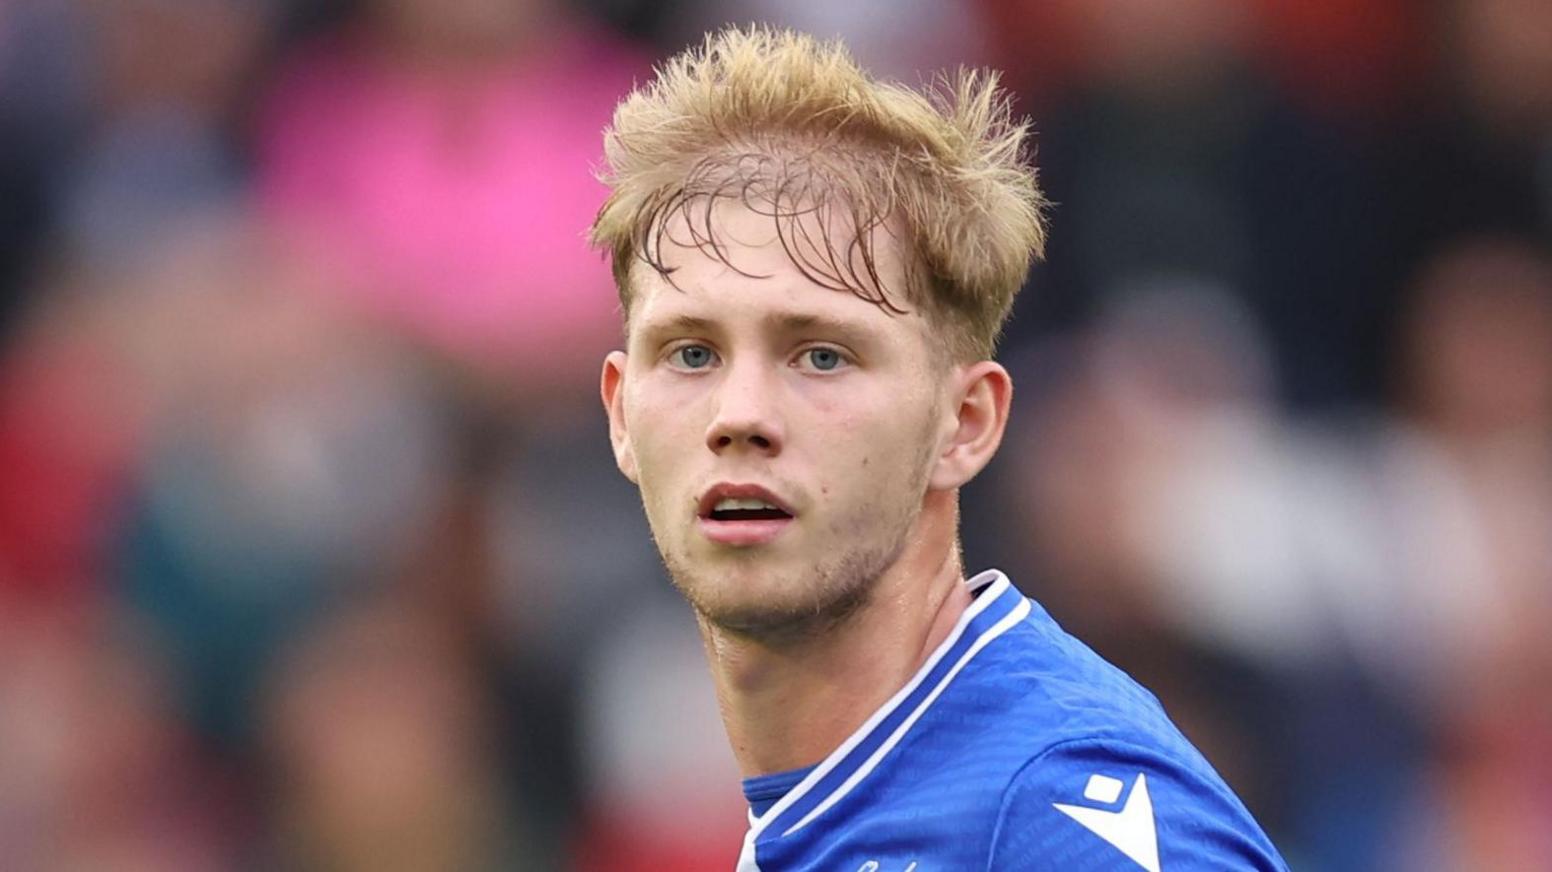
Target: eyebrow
x: 806, y: 323
x: 677, y: 325
x: 786, y: 322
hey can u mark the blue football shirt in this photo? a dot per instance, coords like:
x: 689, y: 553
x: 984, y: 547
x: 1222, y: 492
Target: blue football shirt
x: 1014, y: 747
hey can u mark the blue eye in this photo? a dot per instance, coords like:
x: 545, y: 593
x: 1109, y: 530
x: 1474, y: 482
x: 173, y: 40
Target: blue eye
x: 824, y: 359
x: 693, y: 357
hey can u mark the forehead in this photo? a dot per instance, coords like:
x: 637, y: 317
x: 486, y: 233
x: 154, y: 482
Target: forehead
x: 727, y: 259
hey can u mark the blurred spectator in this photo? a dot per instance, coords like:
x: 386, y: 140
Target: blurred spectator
x: 652, y: 731
x: 1038, y: 47
x: 1478, y: 156
x: 1464, y: 471
x: 907, y: 40
x: 1472, y: 476
x: 440, y: 151
x: 45, y: 65
x: 161, y: 154
x: 312, y: 555
x: 70, y: 431
x: 284, y: 455
x: 1173, y: 159
x: 1173, y: 512
x: 439, y: 154
x: 96, y: 770
x: 1171, y: 386
x: 383, y: 758
x: 1355, y: 60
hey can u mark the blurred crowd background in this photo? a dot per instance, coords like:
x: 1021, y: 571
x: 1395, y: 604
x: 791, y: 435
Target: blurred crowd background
x: 313, y: 555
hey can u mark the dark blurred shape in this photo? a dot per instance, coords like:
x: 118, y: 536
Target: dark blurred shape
x: 161, y: 155
x: 383, y: 760
x: 45, y: 66
x: 1354, y: 60
x: 1500, y: 55
x: 1175, y: 158
x: 1477, y: 157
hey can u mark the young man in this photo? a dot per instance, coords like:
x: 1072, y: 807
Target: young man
x: 814, y: 267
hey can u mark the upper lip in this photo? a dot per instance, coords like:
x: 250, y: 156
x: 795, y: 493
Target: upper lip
x: 729, y: 490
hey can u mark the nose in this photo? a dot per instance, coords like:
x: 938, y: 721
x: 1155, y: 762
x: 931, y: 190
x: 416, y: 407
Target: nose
x: 747, y: 415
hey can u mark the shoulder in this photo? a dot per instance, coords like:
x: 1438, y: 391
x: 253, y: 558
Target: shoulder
x: 1052, y: 689
x: 1107, y: 803
x: 1095, y: 774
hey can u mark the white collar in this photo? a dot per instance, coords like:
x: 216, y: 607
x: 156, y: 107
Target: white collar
x: 997, y: 607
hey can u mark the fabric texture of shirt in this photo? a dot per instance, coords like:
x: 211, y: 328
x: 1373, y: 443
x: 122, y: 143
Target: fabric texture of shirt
x: 764, y: 791
x: 1014, y: 747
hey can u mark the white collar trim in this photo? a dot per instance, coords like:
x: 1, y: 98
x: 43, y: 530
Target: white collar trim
x: 992, y: 586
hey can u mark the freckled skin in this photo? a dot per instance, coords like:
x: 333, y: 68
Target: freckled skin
x: 762, y: 414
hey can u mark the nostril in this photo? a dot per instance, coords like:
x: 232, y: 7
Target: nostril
x: 725, y: 439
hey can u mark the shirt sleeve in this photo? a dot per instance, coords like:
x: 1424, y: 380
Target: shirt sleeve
x: 1109, y: 805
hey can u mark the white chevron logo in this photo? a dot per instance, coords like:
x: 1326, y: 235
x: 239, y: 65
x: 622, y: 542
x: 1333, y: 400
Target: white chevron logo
x: 1131, y: 829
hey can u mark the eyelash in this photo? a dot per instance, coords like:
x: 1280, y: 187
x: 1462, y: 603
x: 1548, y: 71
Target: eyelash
x: 842, y: 359
x: 675, y: 357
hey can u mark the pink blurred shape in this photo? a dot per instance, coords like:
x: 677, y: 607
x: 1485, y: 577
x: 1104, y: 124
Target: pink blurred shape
x: 457, y: 192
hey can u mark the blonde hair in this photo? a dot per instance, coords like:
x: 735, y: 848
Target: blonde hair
x: 792, y: 127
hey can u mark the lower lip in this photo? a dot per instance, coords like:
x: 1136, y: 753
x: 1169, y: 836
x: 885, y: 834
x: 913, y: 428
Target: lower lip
x: 743, y: 532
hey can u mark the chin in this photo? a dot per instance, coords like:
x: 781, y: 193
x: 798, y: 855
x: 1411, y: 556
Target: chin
x: 758, y: 602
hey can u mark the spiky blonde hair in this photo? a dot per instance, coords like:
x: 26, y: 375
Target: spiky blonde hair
x: 793, y: 127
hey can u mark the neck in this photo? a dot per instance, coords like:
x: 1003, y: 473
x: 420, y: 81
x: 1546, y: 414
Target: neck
x: 788, y: 703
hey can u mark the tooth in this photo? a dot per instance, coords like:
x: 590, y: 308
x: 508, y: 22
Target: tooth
x: 733, y: 503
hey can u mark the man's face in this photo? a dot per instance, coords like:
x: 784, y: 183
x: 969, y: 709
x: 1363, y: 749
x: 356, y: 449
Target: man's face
x: 782, y: 432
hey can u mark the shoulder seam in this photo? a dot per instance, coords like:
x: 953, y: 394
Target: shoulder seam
x: 1002, y: 804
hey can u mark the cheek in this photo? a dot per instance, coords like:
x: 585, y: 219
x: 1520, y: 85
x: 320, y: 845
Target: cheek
x: 655, y: 412
x: 665, y: 431
x: 875, y: 450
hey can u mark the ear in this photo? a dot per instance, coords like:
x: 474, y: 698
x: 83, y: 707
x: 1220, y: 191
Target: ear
x: 612, y: 388
x: 981, y: 394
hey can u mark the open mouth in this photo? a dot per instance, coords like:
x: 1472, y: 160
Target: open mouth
x: 742, y: 515
x: 730, y: 509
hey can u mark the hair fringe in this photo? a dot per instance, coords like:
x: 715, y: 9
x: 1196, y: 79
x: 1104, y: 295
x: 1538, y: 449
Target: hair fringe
x: 791, y: 127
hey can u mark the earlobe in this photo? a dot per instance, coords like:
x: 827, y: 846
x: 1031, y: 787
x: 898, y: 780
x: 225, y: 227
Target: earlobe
x: 612, y: 390
x: 985, y: 394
